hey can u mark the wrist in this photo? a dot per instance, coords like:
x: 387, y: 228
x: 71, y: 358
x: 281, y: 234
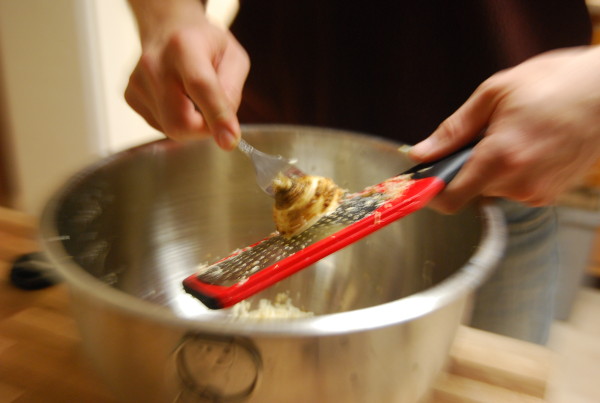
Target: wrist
x: 156, y: 17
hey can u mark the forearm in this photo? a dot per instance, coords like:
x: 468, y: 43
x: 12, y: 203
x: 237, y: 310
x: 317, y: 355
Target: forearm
x: 153, y: 16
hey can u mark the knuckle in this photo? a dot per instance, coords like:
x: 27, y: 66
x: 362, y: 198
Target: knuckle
x: 234, y: 95
x: 492, y: 88
x: 187, y: 135
x: 448, y: 208
x: 451, y: 128
x: 147, y: 64
x: 506, y: 162
x: 446, y: 204
x: 541, y: 194
x: 208, y: 38
x: 542, y: 202
x: 130, y: 96
x: 522, y: 193
x: 243, y: 58
x: 175, y: 128
x: 489, y: 84
x: 537, y: 199
x: 178, y: 41
x: 493, y: 82
x: 529, y: 191
x: 506, y: 159
x: 199, y: 82
x: 135, y: 101
x: 181, y: 126
x: 222, y: 116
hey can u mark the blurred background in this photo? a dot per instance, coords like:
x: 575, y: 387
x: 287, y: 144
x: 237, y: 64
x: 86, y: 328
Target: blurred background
x: 64, y: 65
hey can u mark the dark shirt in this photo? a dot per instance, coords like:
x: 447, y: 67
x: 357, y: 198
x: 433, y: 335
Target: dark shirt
x: 390, y: 68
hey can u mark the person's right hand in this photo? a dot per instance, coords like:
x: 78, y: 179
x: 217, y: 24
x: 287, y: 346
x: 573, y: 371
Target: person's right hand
x: 540, y: 128
x: 189, y: 78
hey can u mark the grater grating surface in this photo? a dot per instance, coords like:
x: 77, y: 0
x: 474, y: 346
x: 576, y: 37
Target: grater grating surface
x: 251, y: 260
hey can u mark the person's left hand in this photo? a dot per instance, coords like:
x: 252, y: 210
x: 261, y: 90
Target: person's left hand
x: 541, y: 131
x: 189, y: 78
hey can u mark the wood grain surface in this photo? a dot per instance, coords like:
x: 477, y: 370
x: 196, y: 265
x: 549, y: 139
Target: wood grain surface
x: 41, y: 361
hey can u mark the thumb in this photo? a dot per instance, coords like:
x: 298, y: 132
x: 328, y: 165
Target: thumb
x: 459, y: 129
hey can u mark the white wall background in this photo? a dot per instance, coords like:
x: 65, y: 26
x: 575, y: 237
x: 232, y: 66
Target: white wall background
x: 64, y: 66
x: 48, y: 118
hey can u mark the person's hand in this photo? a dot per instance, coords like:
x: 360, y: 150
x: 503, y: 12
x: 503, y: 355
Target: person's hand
x: 189, y: 79
x: 540, y: 127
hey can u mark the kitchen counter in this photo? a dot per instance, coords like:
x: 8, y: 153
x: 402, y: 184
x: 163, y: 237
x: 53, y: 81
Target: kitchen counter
x: 40, y: 358
x: 41, y: 361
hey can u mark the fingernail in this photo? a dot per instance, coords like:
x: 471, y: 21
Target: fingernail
x: 422, y: 149
x: 404, y: 149
x: 226, y: 139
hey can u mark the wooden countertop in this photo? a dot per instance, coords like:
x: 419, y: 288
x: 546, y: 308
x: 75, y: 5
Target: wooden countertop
x: 41, y: 361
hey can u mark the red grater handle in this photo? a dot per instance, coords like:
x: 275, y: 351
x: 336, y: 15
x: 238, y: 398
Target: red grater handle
x: 416, y: 196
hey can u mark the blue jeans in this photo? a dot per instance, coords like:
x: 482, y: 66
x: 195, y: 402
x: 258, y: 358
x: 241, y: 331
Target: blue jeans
x: 518, y: 299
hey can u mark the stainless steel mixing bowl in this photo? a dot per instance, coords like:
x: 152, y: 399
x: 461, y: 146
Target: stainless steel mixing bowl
x: 125, y: 232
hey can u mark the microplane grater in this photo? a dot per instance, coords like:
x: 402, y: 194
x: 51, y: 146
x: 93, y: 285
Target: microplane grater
x: 239, y: 266
x: 258, y: 266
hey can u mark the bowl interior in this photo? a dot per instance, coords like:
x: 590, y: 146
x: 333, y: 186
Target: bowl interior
x: 143, y: 220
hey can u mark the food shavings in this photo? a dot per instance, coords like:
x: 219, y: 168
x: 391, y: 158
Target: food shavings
x: 202, y: 267
x: 377, y: 218
x: 281, y: 308
x: 389, y: 189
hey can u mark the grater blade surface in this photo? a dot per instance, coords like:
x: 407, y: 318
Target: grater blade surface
x: 251, y: 260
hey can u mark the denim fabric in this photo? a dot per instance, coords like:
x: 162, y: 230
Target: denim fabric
x: 518, y: 299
